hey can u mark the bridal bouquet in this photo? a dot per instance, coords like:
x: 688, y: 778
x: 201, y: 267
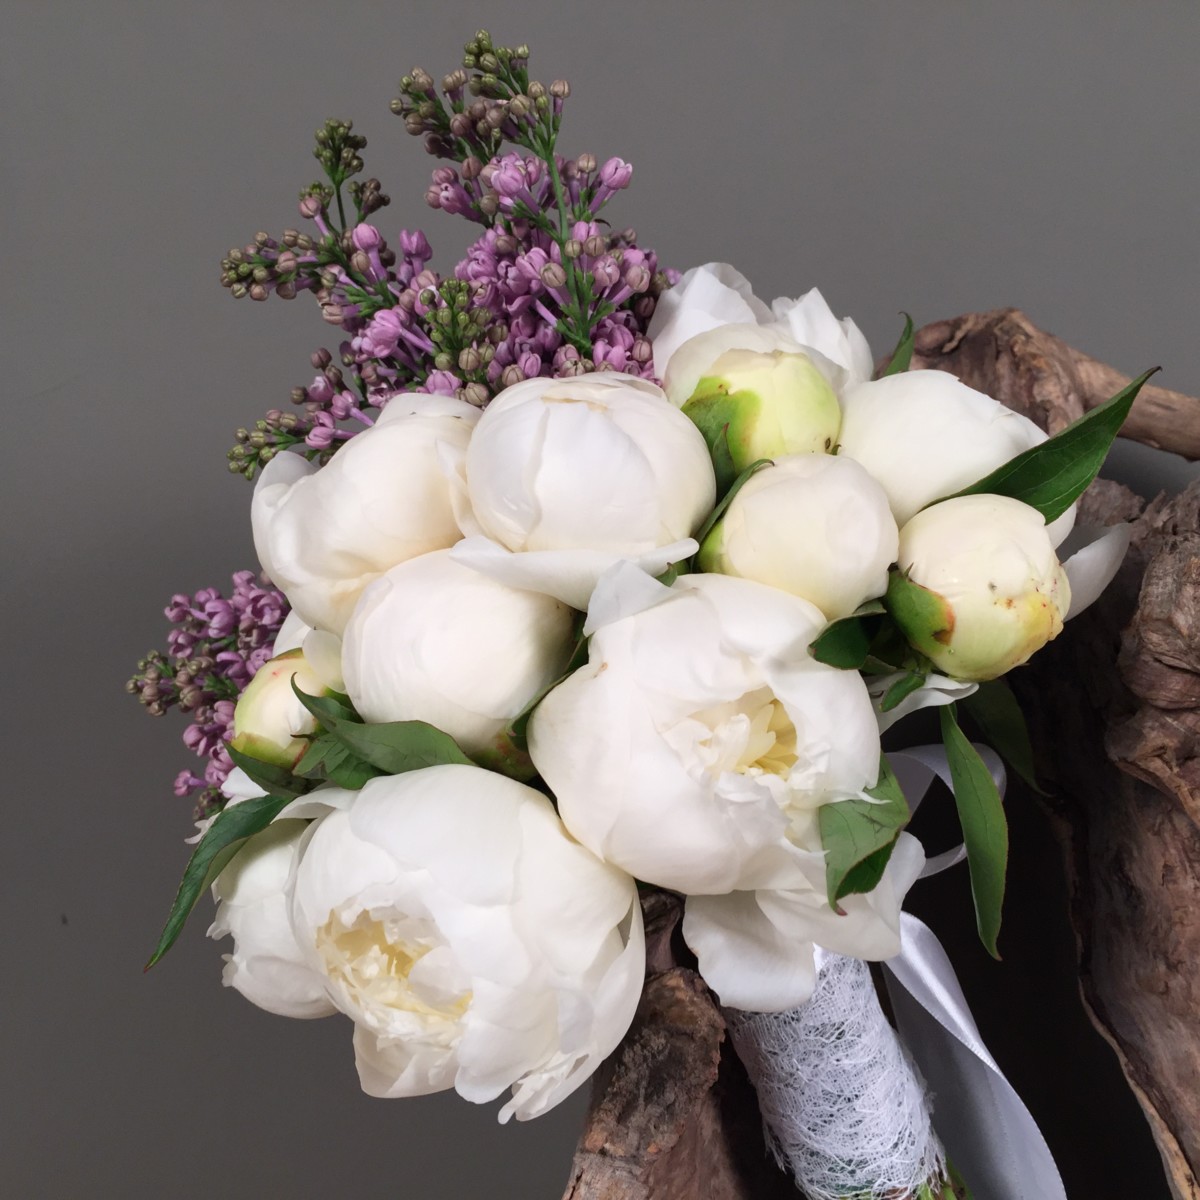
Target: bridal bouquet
x: 581, y: 577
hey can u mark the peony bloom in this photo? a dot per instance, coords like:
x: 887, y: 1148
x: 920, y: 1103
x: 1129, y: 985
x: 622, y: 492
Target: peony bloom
x: 269, y: 722
x: 323, y: 535
x: 716, y: 295
x: 566, y: 477
x: 434, y: 641
x: 925, y: 435
x: 267, y: 965
x: 815, y: 525
x: 473, y: 943
x: 992, y: 592
x: 694, y: 751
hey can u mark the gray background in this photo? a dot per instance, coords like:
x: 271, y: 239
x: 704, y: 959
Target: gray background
x: 932, y: 157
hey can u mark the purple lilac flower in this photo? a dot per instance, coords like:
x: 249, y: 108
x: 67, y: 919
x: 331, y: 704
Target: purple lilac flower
x: 215, y: 647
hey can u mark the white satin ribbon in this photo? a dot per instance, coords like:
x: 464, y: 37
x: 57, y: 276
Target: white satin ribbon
x: 989, y: 1134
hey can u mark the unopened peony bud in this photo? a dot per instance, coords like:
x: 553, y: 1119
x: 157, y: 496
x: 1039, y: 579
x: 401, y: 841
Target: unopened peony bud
x: 990, y: 591
x: 815, y: 525
x: 766, y: 405
x: 269, y: 722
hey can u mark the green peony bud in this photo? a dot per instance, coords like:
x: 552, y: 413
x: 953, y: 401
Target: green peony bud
x: 269, y: 722
x: 767, y: 405
x: 979, y: 588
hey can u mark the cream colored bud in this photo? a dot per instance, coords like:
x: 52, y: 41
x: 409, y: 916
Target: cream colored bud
x: 990, y: 591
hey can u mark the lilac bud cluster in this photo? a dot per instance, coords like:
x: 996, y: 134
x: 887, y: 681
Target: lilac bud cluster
x: 214, y: 648
x: 546, y: 289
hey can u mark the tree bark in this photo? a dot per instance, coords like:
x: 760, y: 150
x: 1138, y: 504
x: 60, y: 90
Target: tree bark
x: 1114, y: 712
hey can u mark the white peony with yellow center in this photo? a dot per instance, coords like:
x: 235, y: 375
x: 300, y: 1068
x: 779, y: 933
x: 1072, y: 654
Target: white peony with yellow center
x: 695, y: 750
x: 474, y: 944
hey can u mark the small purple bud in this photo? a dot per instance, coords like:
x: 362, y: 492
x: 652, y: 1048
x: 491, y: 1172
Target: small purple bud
x: 637, y: 278
x: 616, y: 174
x: 366, y: 237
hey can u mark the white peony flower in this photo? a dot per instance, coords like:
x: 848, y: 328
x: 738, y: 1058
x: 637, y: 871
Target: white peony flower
x: 925, y: 435
x: 716, y: 295
x: 694, y: 751
x: 269, y: 722
x: 995, y: 592
x: 432, y: 640
x: 565, y: 477
x: 323, y: 535
x: 266, y: 966
x: 474, y: 944
x: 815, y: 525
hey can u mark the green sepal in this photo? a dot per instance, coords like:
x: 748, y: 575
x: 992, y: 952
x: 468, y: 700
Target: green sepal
x: 1052, y: 476
x: 277, y: 780
x: 715, y: 411
x: 727, y: 499
x: 924, y: 616
x: 902, y: 355
x: 858, y: 836
x: 984, y: 826
x: 994, y: 708
x: 220, y: 843
x: 846, y: 642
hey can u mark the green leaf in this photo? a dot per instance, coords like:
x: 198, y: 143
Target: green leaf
x: 393, y: 747
x: 902, y: 355
x: 984, y: 826
x: 845, y: 642
x: 400, y: 746
x: 347, y: 770
x: 994, y: 708
x: 725, y: 501
x: 1052, y: 476
x: 331, y: 707
x: 902, y: 688
x: 858, y: 836
x: 279, y: 781
x: 312, y: 758
x: 218, y: 846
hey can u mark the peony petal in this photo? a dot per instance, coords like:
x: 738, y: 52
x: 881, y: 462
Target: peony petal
x: 751, y: 962
x: 934, y: 692
x: 1092, y: 567
x: 389, y: 1067
x: 613, y: 1002
x: 705, y: 297
x: 323, y: 653
x: 291, y: 633
x: 567, y: 575
x: 621, y: 591
x: 810, y: 321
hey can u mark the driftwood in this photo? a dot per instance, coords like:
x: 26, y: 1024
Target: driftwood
x: 1114, y: 710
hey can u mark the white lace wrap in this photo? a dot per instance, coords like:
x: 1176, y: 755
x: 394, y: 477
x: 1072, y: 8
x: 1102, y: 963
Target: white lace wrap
x: 843, y: 1106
